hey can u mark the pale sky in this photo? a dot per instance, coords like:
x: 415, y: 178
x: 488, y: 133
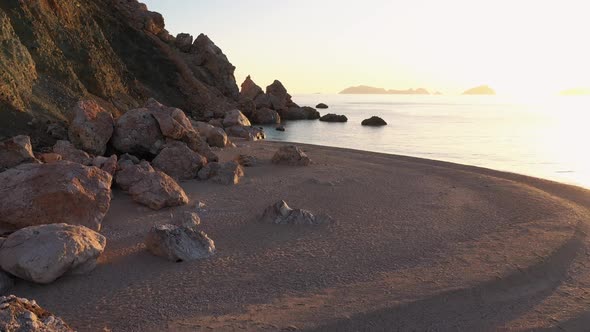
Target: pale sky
x: 516, y: 46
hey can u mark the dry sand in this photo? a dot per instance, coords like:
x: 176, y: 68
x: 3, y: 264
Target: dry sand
x: 417, y: 245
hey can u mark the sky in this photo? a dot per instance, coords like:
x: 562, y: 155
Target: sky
x: 324, y: 46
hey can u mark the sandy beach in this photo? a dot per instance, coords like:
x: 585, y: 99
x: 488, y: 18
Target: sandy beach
x: 414, y: 245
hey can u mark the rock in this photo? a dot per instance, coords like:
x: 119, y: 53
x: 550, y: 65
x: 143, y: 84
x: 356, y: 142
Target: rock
x: 60, y: 192
x: 184, y: 42
x: 215, y: 136
x: 235, y: 118
x: 247, y: 106
x: 108, y: 165
x: 172, y: 121
x: 263, y: 101
x: 279, y: 97
x: 49, y: 158
x: 57, y: 130
x: 69, y: 152
x: 179, y: 243
x: 91, y: 127
x: 280, y: 128
x: 248, y: 133
x: 321, y: 106
x: 15, y: 151
x: 265, y: 116
x: 331, y: 117
x: 137, y: 132
x: 374, y: 121
x: 281, y: 214
x: 22, y: 315
x: 149, y: 187
x: 299, y: 113
x: 246, y: 160
x: 205, y: 150
x: 187, y: 219
x: 250, y: 89
x: 216, y: 123
x: 6, y: 283
x: 226, y: 173
x: 66, y: 249
x: 291, y: 155
x: 178, y: 161
x: 127, y: 159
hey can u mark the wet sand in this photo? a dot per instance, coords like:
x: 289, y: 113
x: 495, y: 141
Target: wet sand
x: 415, y: 245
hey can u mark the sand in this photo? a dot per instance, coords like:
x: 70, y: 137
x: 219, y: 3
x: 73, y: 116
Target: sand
x: 415, y: 245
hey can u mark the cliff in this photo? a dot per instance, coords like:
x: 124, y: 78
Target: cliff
x: 55, y: 52
x: 363, y: 89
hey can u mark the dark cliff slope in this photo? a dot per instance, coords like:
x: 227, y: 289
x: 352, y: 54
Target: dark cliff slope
x: 54, y: 52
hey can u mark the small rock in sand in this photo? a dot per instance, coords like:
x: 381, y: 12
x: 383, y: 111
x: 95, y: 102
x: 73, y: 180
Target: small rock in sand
x: 246, y: 160
x: 186, y: 219
x: 281, y: 214
x: 291, y: 155
x: 179, y: 243
x: 22, y: 315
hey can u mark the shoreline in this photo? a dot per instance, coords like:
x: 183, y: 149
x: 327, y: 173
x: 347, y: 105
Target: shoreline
x: 416, y: 243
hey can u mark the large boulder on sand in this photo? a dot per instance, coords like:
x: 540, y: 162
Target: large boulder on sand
x: 15, y: 151
x: 91, y: 127
x: 281, y: 214
x: 291, y: 155
x: 235, y: 118
x: 215, y: 136
x: 179, y: 243
x: 222, y: 173
x: 172, y: 121
x: 137, y: 132
x: 149, y: 187
x: 178, y: 161
x: 331, y: 117
x: 374, y: 121
x: 60, y: 192
x: 265, y: 116
x: 248, y: 133
x: 43, y: 253
x: 69, y: 152
x: 22, y: 315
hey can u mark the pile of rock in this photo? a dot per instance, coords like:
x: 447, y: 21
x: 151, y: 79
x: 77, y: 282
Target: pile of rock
x: 18, y: 314
x: 272, y: 106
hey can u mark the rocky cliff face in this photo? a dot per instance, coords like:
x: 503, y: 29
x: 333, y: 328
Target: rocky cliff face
x: 55, y: 52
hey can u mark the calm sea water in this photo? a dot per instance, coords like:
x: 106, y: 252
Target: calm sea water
x: 544, y: 138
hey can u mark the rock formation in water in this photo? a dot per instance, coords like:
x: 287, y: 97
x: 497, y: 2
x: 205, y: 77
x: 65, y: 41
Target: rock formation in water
x: 480, y: 90
x: 57, y: 52
x: 363, y: 89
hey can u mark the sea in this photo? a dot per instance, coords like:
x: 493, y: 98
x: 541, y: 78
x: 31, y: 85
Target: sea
x: 542, y: 137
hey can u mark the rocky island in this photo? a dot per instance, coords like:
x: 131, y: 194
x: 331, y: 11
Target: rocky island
x: 480, y: 90
x: 363, y: 89
x: 137, y: 193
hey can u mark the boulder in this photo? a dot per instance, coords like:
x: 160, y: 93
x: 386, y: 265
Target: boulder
x: 374, y: 121
x: 265, y: 116
x: 216, y: 123
x: 235, y: 118
x: 183, y: 42
x: 291, y: 155
x: 247, y: 106
x: 310, y: 113
x: 179, y: 243
x: 66, y: 249
x: 205, y: 150
x: 187, y: 219
x: 215, y: 136
x: 226, y: 173
x: 22, y: 315
x: 149, y: 187
x: 69, y: 152
x: 172, y: 121
x: 108, y: 165
x: 178, y: 161
x: 279, y: 97
x: 246, y: 160
x: 330, y: 117
x: 248, y: 133
x: 263, y: 101
x: 50, y: 157
x: 60, y: 192
x: 281, y: 214
x: 250, y: 90
x: 91, y: 127
x: 137, y: 132
x: 127, y: 159
x: 299, y: 113
x: 321, y: 106
x: 15, y: 151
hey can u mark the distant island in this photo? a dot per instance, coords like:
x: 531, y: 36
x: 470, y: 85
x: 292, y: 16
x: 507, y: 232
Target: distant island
x: 366, y: 90
x: 480, y: 90
x: 576, y: 92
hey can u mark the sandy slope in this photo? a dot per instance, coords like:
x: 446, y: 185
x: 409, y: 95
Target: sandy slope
x: 417, y: 245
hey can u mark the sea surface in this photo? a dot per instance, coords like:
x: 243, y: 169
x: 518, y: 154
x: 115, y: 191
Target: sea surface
x: 547, y: 138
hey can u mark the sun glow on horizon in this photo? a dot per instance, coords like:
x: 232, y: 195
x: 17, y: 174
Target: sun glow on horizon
x: 516, y: 47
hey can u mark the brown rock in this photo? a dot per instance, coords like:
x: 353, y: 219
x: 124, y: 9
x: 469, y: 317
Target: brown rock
x: 235, y: 118
x: 321, y: 106
x: 137, y: 132
x: 246, y: 160
x: 179, y: 243
x: 226, y: 173
x: 299, y: 113
x: 108, y: 165
x: 178, y: 161
x: 215, y: 136
x: 279, y: 97
x: 183, y: 42
x: 374, y: 121
x: 247, y: 106
x: 265, y: 116
x: 49, y: 158
x: 15, y: 151
x: 250, y: 90
x: 172, y: 121
x: 248, y: 133
x: 60, y: 192
x: 91, y: 127
x: 22, y: 315
x: 291, y: 155
x: 70, y: 153
x: 330, y: 117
